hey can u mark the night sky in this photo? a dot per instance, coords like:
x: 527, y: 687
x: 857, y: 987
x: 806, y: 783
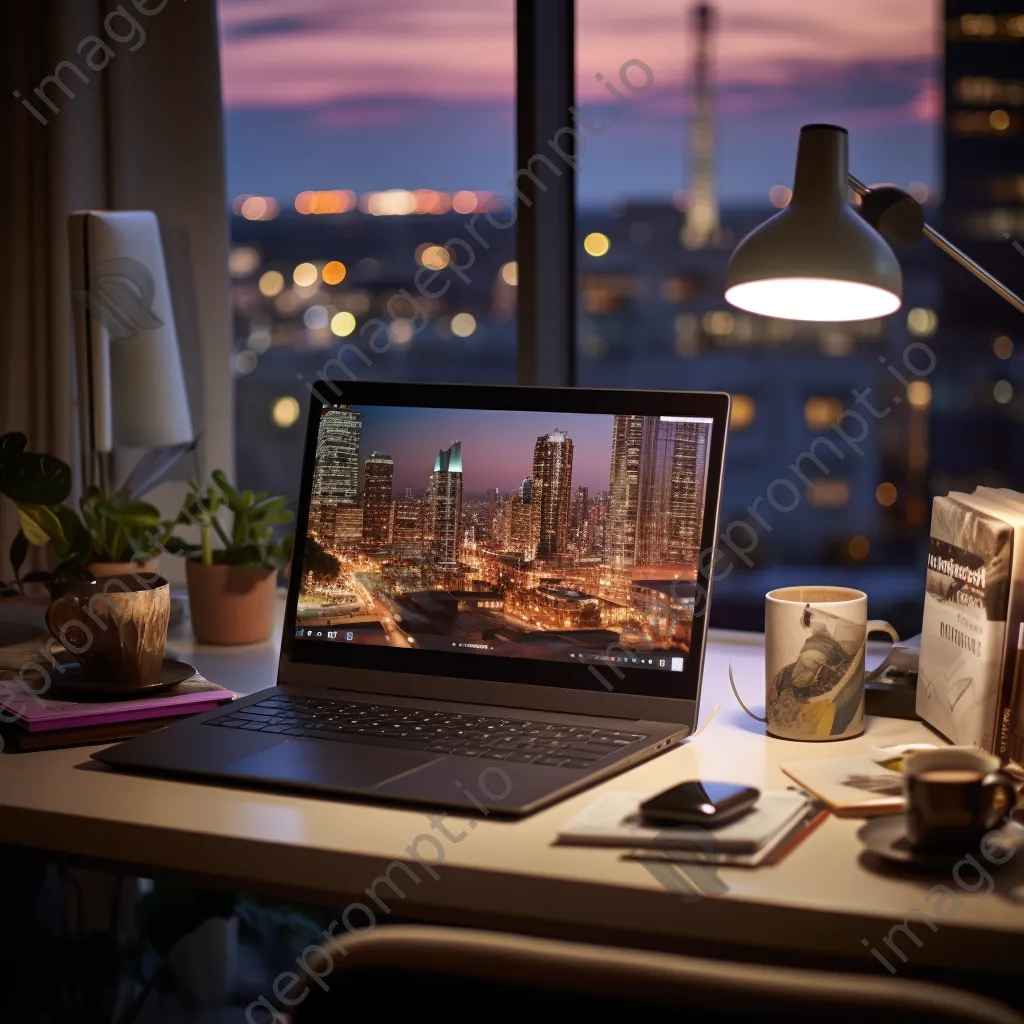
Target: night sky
x: 376, y: 94
x: 497, y: 447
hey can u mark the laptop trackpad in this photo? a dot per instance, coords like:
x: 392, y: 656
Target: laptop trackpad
x: 319, y: 763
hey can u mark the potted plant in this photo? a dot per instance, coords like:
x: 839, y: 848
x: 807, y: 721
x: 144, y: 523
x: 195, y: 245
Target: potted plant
x: 126, y: 533
x: 106, y: 535
x: 231, y: 587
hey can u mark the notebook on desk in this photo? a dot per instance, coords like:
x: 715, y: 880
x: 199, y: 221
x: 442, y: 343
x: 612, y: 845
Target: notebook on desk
x: 614, y: 820
x: 497, y: 599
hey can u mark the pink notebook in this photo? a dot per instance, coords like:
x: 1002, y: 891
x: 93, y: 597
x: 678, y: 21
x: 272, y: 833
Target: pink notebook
x: 42, y: 713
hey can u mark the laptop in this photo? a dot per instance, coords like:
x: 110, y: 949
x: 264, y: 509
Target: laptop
x: 497, y: 598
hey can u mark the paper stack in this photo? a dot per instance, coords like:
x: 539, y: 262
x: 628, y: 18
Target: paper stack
x: 778, y: 819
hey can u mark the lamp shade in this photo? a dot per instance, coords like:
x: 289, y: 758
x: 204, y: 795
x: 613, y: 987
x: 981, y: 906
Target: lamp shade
x: 133, y: 384
x: 816, y: 259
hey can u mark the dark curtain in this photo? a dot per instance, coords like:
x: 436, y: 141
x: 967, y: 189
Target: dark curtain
x: 129, y: 118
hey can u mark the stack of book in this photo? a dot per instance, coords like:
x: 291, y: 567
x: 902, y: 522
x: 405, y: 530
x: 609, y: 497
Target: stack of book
x: 972, y: 636
x: 44, y: 722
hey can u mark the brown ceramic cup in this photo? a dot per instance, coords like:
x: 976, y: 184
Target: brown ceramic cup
x: 116, y: 627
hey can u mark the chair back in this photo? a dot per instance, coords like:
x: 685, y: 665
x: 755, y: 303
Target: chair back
x: 415, y: 968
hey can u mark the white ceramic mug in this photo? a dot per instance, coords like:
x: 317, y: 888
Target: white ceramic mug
x: 814, y: 643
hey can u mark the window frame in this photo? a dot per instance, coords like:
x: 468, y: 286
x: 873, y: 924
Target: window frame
x: 546, y: 208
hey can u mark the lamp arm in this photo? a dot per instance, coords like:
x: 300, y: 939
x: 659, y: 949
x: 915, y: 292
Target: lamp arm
x: 962, y: 258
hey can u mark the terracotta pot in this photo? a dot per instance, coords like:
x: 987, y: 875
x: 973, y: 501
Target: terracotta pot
x: 230, y: 604
x: 125, y: 568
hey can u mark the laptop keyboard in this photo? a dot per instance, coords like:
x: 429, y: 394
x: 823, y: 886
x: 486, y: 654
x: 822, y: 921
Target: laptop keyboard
x: 498, y: 739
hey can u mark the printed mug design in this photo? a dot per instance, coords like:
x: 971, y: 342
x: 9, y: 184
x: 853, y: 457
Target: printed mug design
x: 819, y: 693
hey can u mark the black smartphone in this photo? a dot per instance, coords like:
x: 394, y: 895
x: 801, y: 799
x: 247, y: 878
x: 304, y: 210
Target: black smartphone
x: 708, y: 804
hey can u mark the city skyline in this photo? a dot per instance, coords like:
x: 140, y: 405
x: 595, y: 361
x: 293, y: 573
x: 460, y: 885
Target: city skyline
x: 651, y: 512
x: 498, y: 446
x: 355, y: 91
x: 542, y: 570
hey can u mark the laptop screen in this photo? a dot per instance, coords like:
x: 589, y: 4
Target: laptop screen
x: 559, y: 539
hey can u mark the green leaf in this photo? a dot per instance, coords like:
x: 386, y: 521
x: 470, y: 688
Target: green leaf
x: 233, y: 498
x: 33, y: 478
x: 78, y: 539
x: 180, y: 546
x: 19, y: 552
x: 135, y: 510
x: 133, y: 524
x: 240, y: 531
x: 266, y: 504
x: 213, y: 500
x: 280, y: 516
x: 224, y: 538
x: 41, y: 525
x: 247, y: 555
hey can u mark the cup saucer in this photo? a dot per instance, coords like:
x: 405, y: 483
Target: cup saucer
x: 887, y: 837
x: 72, y: 681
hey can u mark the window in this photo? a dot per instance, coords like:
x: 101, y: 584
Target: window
x: 697, y: 160
x: 362, y: 140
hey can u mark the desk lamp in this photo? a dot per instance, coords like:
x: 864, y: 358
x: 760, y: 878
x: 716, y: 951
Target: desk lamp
x: 818, y: 259
x: 131, y: 381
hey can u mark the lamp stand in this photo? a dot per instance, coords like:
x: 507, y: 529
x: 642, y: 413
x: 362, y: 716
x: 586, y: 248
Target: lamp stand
x: 893, y: 199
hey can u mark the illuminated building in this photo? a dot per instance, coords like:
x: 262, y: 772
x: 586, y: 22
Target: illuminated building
x: 407, y: 537
x: 580, y: 524
x: 337, y: 524
x: 964, y: 435
x: 702, y: 226
x: 564, y: 607
x: 658, y: 480
x: 982, y: 169
x: 348, y: 524
x: 620, y: 527
x: 336, y: 476
x: 444, y: 499
x: 493, y: 498
x: 672, y: 483
x: 378, y: 477
x: 551, y: 497
x: 526, y: 491
x: 983, y: 142
x: 598, y: 516
x: 519, y: 535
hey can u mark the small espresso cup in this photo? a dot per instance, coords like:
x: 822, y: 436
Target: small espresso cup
x: 954, y: 796
x: 814, y: 642
x: 116, y: 627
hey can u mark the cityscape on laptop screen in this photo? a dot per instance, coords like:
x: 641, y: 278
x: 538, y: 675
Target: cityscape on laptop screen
x: 520, y: 534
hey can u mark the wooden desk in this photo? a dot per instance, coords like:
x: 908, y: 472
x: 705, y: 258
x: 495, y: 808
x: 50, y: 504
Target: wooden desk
x: 823, y: 903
